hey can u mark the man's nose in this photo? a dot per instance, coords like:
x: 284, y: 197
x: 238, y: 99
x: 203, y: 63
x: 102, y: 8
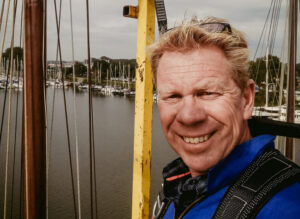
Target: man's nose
x: 191, y: 111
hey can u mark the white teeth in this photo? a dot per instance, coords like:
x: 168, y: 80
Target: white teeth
x: 196, y: 140
x: 187, y: 140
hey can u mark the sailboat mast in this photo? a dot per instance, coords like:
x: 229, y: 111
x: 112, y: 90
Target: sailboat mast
x: 34, y: 129
x: 123, y: 75
x: 100, y: 74
x: 129, y: 76
x: 267, y: 75
x: 292, y: 68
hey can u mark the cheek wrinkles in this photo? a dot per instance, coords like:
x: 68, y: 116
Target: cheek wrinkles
x: 167, y: 115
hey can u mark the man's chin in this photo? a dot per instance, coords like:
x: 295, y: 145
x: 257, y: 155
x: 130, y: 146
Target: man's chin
x: 197, y: 168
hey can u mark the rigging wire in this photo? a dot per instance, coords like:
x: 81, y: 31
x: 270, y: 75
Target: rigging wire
x: 22, y: 37
x: 16, y: 122
x: 66, y: 114
x: 273, y: 38
x: 4, y: 33
x: 49, y: 148
x: 4, y: 100
x: 45, y: 95
x: 14, y: 148
x: 93, y: 185
x: 263, y: 31
x: 54, y: 91
x: 260, y: 41
x: 283, y: 60
x: 268, y: 38
x: 9, y: 109
x: 1, y: 53
x: 275, y: 26
x: 269, y: 41
x: 75, y: 117
x: 44, y: 59
x: 273, y: 15
x: 277, y: 15
x: 270, y: 45
x: 1, y: 15
x: 25, y: 119
x: 45, y: 54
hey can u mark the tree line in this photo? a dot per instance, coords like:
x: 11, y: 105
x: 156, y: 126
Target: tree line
x: 105, y: 66
x: 114, y: 67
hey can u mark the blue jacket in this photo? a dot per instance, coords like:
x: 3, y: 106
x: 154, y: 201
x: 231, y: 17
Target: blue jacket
x: 284, y: 205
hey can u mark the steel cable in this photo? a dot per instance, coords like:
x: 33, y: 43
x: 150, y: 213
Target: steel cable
x: 1, y: 15
x: 9, y: 109
x: 4, y: 102
x: 4, y: 33
x: 16, y: 125
x: 91, y: 127
x: 48, y: 157
x: 75, y: 116
x: 93, y: 186
x: 65, y: 108
x: 22, y: 36
x: 54, y: 91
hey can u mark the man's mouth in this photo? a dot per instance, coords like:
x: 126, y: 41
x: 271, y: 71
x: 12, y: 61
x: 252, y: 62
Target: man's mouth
x: 196, y: 140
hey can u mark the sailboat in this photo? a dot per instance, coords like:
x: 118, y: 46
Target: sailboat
x: 279, y: 111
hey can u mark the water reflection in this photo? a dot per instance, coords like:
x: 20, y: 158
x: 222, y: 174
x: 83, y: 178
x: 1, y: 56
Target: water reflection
x: 113, y: 122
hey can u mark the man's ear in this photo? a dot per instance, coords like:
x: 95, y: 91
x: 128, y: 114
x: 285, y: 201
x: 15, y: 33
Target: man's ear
x: 248, y: 99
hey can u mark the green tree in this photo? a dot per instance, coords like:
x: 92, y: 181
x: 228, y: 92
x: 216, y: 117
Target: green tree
x: 80, y: 70
x: 17, y: 57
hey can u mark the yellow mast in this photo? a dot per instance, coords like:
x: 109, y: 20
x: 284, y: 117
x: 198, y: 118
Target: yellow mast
x: 145, y: 13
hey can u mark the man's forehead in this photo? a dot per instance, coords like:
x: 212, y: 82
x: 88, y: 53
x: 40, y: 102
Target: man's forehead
x: 199, y: 67
x: 200, y: 73
x: 197, y: 61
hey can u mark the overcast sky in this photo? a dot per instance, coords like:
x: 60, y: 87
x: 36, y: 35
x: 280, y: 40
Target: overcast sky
x: 114, y: 36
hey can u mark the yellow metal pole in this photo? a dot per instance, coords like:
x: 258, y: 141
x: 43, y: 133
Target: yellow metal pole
x: 143, y: 112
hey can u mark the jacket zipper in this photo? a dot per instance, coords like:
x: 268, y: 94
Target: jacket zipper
x: 190, y: 206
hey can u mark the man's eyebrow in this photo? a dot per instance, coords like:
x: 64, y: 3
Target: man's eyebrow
x: 166, y: 90
x: 210, y: 84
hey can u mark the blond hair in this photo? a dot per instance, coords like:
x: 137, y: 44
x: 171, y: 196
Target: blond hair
x: 190, y: 35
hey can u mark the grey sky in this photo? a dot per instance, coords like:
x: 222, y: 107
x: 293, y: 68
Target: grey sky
x: 115, y: 36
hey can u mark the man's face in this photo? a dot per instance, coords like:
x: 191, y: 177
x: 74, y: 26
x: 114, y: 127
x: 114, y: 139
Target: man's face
x: 202, y: 111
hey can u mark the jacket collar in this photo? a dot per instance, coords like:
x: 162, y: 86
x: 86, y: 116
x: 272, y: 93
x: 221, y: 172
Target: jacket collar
x: 176, y: 173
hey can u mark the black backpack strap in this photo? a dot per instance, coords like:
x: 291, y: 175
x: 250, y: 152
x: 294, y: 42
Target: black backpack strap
x: 161, y: 206
x: 265, y: 177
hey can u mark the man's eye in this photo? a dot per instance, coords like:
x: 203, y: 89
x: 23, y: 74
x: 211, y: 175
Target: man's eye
x: 207, y: 94
x: 174, y: 96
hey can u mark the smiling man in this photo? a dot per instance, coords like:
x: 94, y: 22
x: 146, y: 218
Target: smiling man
x: 205, y: 98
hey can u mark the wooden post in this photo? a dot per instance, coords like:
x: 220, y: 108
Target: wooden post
x: 143, y: 112
x: 292, y: 67
x: 34, y: 131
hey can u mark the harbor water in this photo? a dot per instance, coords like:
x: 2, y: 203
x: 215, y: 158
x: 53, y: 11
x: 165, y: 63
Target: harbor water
x: 114, y: 132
